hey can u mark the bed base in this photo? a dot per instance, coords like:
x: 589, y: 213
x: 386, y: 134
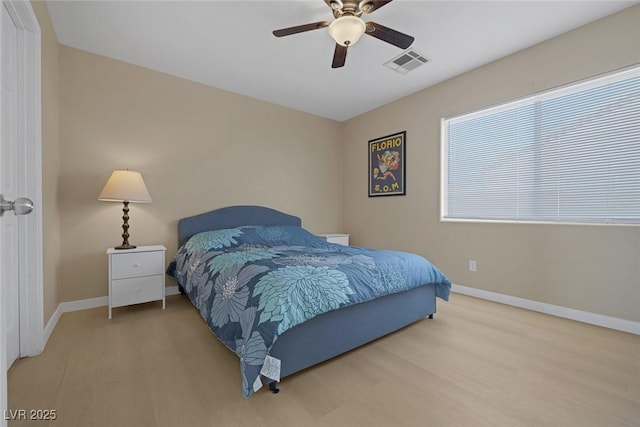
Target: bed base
x: 339, y: 331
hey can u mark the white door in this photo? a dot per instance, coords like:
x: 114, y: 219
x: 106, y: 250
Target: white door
x: 20, y: 173
x: 8, y: 187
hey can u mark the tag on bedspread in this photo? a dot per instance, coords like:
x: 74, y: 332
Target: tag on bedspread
x: 271, y: 368
x: 257, y: 384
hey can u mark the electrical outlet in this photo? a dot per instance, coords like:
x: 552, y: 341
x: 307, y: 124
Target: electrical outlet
x: 472, y: 265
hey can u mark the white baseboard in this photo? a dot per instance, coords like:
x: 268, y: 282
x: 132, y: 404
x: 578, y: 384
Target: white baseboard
x: 51, y: 324
x: 171, y: 290
x: 85, y: 304
x: 555, y: 310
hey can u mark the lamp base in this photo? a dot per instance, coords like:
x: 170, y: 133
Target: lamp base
x: 121, y: 247
x: 125, y: 228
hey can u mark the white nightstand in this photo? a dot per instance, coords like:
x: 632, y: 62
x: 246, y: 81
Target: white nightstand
x: 339, y: 238
x: 136, y: 276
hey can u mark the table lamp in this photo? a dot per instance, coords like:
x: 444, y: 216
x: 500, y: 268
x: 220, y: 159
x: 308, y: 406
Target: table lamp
x: 125, y: 186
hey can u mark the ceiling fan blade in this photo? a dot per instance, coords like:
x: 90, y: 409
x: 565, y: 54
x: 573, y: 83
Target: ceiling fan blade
x: 368, y: 6
x: 339, y: 56
x: 388, y: 35
x: 300, y: 29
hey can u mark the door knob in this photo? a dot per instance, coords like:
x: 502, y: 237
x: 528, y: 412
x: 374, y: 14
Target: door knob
x: 20, y: 206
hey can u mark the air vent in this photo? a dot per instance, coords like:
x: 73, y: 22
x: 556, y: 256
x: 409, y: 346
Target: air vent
x: 406, y: 61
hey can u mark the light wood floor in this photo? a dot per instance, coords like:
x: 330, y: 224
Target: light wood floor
x: 477, y: 363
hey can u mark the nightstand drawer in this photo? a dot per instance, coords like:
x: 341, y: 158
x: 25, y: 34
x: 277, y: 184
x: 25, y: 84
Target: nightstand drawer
x: 136, y: 290
x: 138, y: 264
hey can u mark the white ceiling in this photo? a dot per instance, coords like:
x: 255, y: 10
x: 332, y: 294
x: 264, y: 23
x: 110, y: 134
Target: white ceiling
x: 229, y: 45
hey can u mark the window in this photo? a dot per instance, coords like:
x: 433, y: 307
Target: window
x: 566, y: 155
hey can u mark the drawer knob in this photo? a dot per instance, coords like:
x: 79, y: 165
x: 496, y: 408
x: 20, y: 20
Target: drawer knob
x: 137, y: 265
x: 137, y: 289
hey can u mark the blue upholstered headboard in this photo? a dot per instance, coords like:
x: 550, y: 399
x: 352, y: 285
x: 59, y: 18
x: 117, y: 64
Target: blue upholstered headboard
x: 230, y: 217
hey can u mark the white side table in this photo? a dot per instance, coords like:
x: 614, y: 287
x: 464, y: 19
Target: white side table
x: 339, y: 238
x: 136, y: 276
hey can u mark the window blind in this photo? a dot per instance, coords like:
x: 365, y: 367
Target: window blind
x: 566, y: 155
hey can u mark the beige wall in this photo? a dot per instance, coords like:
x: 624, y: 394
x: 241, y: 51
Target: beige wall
x: 50, y: 160
x: 592, y: 268
x: 198, y: 148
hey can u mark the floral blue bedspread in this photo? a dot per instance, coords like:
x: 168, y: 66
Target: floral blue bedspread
x: 253, y: 283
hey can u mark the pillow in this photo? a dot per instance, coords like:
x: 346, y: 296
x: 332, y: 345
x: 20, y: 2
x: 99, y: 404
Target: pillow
x: 255, y: 235
x: 276, y: 235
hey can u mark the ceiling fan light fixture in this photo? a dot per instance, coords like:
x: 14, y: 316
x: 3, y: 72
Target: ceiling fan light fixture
x: 336, y: 4
x: 347, y: 30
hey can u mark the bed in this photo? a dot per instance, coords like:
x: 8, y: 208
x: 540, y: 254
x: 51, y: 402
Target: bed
x: 285, y: 300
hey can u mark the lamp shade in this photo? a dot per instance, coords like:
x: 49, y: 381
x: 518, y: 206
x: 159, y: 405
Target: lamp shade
x: 125, y: 186
x: 347, y: 30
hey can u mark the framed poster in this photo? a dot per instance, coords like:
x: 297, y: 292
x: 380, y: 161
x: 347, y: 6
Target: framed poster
x: 387, y: 165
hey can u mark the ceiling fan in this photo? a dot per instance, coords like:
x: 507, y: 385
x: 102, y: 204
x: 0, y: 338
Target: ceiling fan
x: 348, y: 27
